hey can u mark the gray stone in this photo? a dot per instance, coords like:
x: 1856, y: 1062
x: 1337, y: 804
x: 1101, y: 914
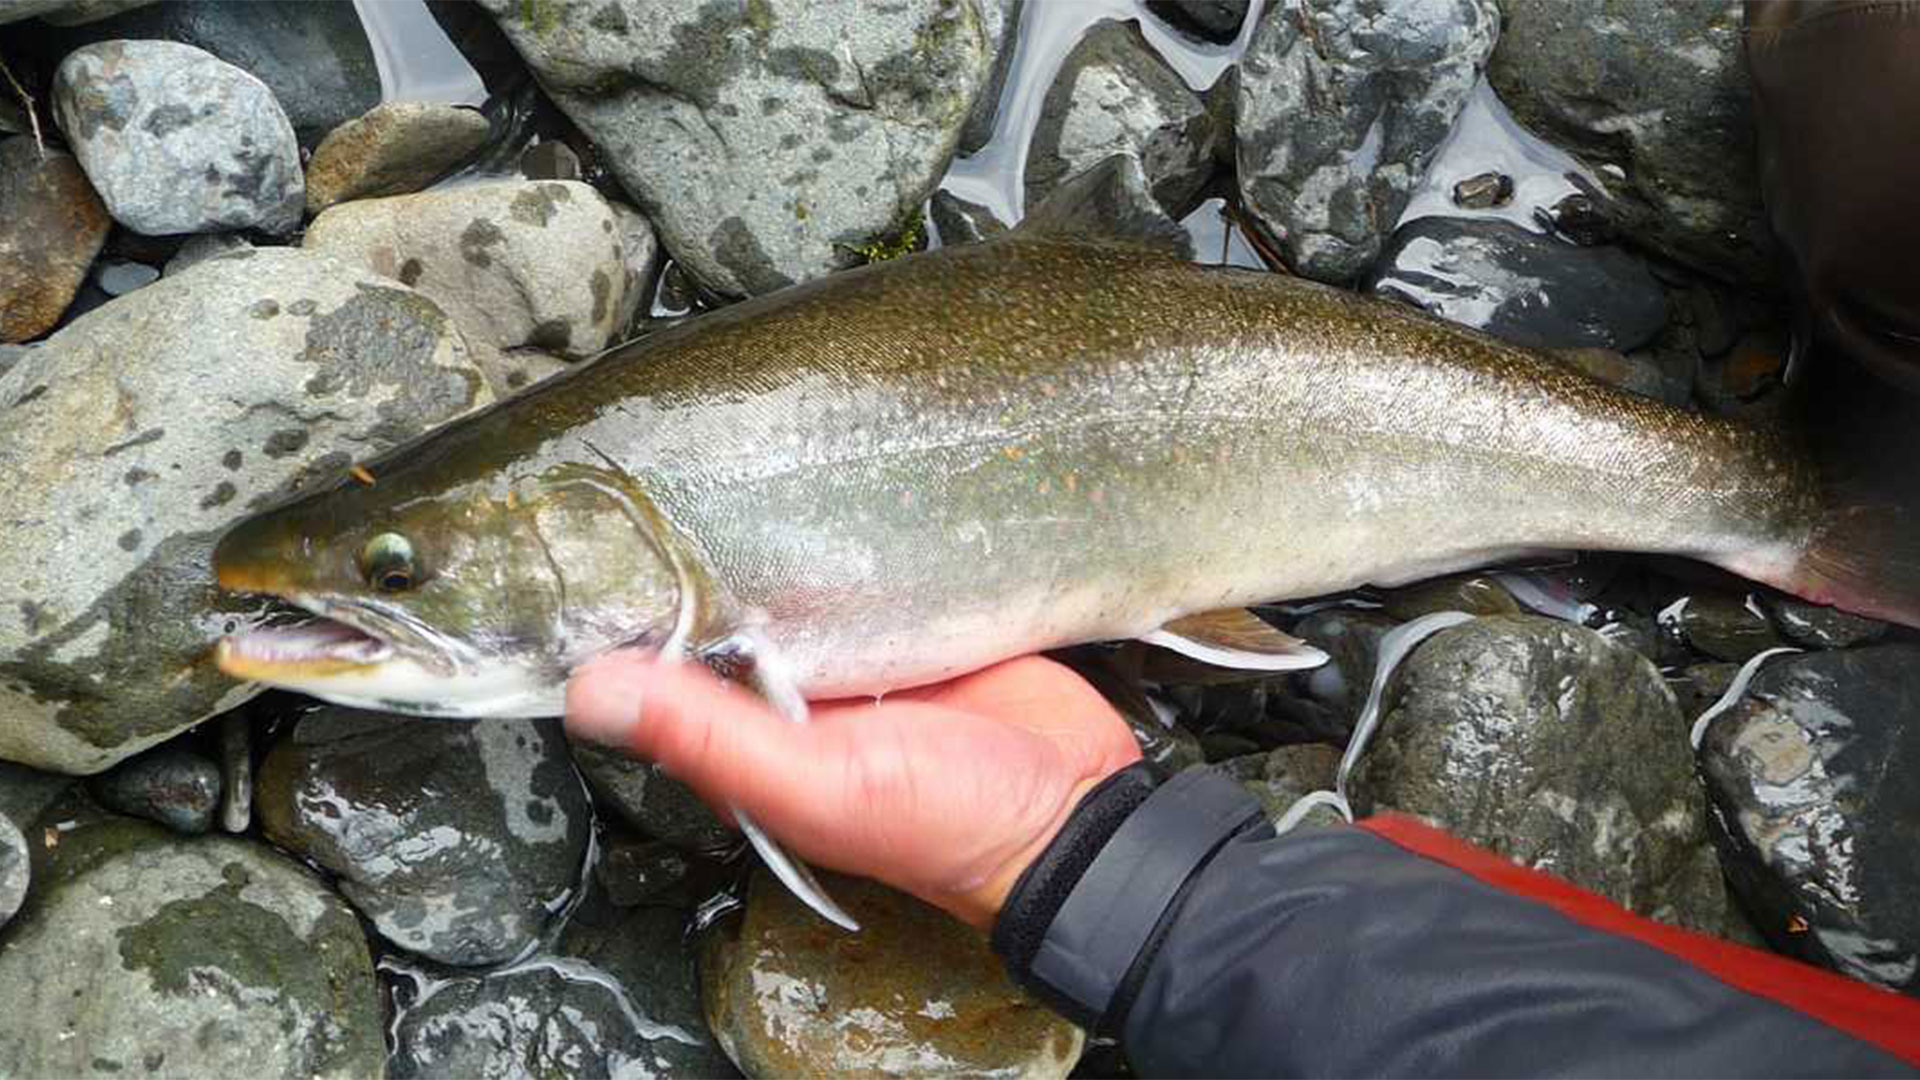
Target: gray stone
x: 1000, y: 25
x: 203, y: 247
x: 640, y: 250
x: 174, y: 787
x: 457, y: 841
x: 517, y: 263
x: 136, y: 435
x: 119, y: 277
x: 961, y: 222
x: 147, y: 954
x: 397, y: 148
x: 1813, y: 780
x: 65, y: 12
x: 1519, y: 285
x: 315, y: 57
x: 1114, y: 95
x: 1544, y: 742
x: 616, y: 997
x: 769, y: 141
x: 1283, y: 776
x: 1722, y: 625
x: 1819, y: 627
x: 1655, y: 96
x: 1217, y: 21
x: 51, y: 227
x: 1339, y: 109
x: 178, y: 141
x: 653, y: 802
x: 550, y: 160
x: 1328, y: 698
x: 914, y: 993
x: 1475, y: 594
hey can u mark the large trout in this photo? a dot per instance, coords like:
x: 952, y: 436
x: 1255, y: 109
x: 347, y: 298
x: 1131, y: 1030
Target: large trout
x: 905, y: 472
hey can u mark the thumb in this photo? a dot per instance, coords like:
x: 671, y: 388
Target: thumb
x: 722, y: 741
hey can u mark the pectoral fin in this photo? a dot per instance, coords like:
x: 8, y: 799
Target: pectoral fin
x: 748, y: 659
x: 1235, y: 638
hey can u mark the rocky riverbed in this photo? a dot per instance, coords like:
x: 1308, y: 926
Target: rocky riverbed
x: 242, y: 245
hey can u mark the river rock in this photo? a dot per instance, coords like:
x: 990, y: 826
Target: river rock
x: 914, y: 993
x: 516, y: 263
x: 1520, y: 285
x: 1813, y: 780
x: 962, y: 222
x: 1283, y: 776
x: 143, y: 953
x: 396, y: 148
x: 457, y: 841
x: 1328, y: 699
x: 1546, y: 743
x: 177, y: 141
x: 133, y: 437
x: 767, y: 142
x: 1725, y: 626
x: 1655, y: 97
x: 202, y: 247
x: 51, y: 227
x: 1217, y: 21
x: 174, y: 787
x: 1819, y: 627
x: 640, y: 250
x: 653, y: 802
x: 65, y: 12
x: 617, y: 997
x: 314, y: 57
x: 1340, y: 105
x: 1114, y: 95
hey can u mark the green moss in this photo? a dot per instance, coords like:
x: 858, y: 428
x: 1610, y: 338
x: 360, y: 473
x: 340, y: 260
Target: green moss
x: 908, y: 238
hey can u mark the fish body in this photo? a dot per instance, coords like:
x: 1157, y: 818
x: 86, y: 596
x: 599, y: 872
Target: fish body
x: 912, y: 470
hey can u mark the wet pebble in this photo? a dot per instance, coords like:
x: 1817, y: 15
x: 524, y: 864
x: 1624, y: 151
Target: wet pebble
x: 633, y: 870
x: 1282, y: 776
x: 51, y: 227
x: 1217, y: 21
x: 1339, y: 108
x: 516, y: 263
x: 1114, y: 95
x: 1725, y: 626
x: 768, y: 141
x: 616, y: 997
x: 175, y: 787
x: 1483, y: 191
x: 914, y: 993
x: 1819, y: 627
x: 459, y: 842
x: 1475, y: 594
x: 1813, y: 779
x: 1519, y: 285
x: 176, y: 140
x: 550, y: 160
x: 1655, y: 98
x: 141, y: 462
x: 1329, y: 698
x: 145, y: 953
x: 1746, y: 373
x: 653, y: 802
x: 1542, y: 741
x: 963, y: 222
x: 117, y: 277
x: 398, y: 147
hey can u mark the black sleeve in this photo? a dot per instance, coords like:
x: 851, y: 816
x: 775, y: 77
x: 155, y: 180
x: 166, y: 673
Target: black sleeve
x: 1176, y: 919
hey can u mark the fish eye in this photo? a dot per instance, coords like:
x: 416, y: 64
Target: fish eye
x: 388, y: 562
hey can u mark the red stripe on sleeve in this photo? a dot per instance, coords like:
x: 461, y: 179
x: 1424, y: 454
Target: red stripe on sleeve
x: 1873, y: 1014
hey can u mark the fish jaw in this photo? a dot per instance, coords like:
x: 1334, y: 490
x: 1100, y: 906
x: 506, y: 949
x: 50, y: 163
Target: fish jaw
x: 343, y: 663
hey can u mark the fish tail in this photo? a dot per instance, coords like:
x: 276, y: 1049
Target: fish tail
x: 1863, y: 552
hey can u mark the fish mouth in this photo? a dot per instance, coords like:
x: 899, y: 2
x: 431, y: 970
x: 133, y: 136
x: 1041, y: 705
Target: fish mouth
x: 337, y: 639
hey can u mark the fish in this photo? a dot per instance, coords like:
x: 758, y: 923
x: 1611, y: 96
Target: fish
x: 1066, y: 434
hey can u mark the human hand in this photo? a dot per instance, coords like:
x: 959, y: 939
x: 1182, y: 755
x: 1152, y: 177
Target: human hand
x: 947, y: 792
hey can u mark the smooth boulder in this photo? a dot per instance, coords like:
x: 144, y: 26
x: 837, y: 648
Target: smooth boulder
x: 132, y: 438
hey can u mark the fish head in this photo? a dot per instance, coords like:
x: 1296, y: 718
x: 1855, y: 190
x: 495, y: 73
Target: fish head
x: 470, y: 601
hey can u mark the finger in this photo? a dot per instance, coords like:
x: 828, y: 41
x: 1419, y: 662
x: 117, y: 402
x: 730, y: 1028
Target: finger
x: 722, y: 741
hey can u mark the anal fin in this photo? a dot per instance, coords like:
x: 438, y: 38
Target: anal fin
x: 1235, y: 638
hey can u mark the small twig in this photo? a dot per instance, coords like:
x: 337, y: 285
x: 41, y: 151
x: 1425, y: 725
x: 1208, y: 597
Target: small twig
x: 26, y: 99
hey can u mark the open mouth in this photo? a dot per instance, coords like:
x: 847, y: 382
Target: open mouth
x: 320, y: 646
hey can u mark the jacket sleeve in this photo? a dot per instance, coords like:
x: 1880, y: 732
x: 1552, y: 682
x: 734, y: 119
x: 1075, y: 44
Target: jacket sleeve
x: 1173, y: 917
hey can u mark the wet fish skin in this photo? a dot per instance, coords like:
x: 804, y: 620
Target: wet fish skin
x: 912, y: 470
